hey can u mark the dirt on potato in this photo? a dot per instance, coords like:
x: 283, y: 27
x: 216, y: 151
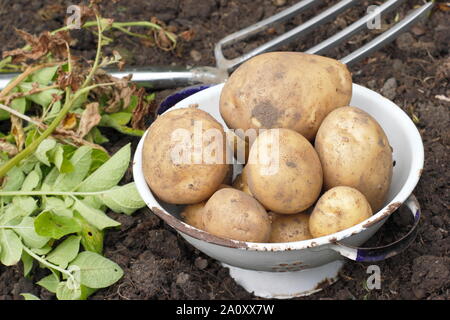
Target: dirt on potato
x: 413, y: 71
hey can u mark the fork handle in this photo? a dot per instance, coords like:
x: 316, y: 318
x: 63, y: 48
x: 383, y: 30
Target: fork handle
x: 158, y: 77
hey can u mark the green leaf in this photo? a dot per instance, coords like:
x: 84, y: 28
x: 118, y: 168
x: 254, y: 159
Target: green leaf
x: 58, y: 206
x: 43, y: 98
x: 121, y: 118
x: 64, y: 291
x: 65, y: 252
x: 91, y: 237
x: 61, y: 158
x: 13, y: 182
x: 29, y: 296
x: 27, y: 262
x: 132, y: 105
x: 97, y: 136
x: 94, y: 216
x: 86, y: 292
x: 32, y: 180
x: 50, y: 282
x: 20, y: 207
x: 50, y: 179
x: 18, y: 104
x: 79, y: 102
x: 107, y: 121
x: 96, y: 271
x: 124, y: 199
x: 10, y: 247
x: 42, y: 151
x: 81, y: 162
x: 29, y: 235
x: 41, y: 251
x: 32, y: 135
x: 55, y: 109
x: 109, y: 174
x: 99, y: 157
x: 49, y: 224
x: 45, y: 75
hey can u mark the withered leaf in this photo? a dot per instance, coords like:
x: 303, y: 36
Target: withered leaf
x: 40, y: 46
x: 89, y: 119
x: 7, y: 147
x: 17, y: 132
x: 141, y: 111
x: 69, y: 122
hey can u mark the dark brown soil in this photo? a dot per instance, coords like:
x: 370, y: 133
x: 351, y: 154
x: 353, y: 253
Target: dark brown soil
x: 413, y: 71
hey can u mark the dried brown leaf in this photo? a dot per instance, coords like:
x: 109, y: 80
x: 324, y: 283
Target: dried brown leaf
x: 89, y: 119
x: 40, y: 46
x: 17, y: 132
x: 69, y: 122
x: 187, y: 35
x: 444, y: 6
x: 141, y: 111
x: 9, y: 148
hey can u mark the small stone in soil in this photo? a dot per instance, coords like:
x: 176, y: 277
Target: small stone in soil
x: 279, y: 3
x: 182, y: 278
x: 405, y: 41
x: 201, y: 263
x: 197, y: 56
x: 389, y: 89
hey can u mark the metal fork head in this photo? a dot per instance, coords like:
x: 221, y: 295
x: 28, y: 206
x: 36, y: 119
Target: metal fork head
x: 308, y: 26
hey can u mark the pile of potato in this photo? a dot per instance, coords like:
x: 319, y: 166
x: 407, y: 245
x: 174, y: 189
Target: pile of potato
x: 316, y: 190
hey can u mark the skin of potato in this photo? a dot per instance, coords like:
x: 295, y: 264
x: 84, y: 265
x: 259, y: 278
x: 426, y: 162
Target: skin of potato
x: 241, y: 182
x: 288, y: 228
x: 355, y: 152
x: 180, y: 183
x: 297, y: 183
x: 338, y: 209
x: 193, y: 215
x: 285, y: 90
x: 233, y: 214
x: 240, y: 147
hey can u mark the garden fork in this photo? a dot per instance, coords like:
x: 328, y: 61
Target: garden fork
x: 170, y: 77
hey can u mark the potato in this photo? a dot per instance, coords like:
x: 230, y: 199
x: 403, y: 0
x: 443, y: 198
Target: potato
x: 338, y: 209
x: 355, y: 152
x: 290, y: 180
x: 241, y: 182
x: 288, y: 228
x: 193, y: 214
x: 240, y: 146
x: 233, y: 214
x: 285, y: 90
x: 177, y: 170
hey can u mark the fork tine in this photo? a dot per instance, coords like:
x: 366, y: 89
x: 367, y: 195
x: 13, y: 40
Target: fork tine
x: 389, y: 35
x: 301, y: 30
x: 276, y: 18
x: 354, y: 28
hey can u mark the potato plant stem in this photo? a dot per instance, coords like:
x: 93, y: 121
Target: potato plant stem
x: 46, y: 263
x: 47, y: 132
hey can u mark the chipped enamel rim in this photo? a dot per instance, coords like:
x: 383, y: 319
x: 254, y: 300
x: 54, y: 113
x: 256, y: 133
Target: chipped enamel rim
x: 403, y: 121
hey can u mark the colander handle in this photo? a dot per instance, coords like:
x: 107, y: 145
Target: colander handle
x: 176, y: 97
x: 381, y: 253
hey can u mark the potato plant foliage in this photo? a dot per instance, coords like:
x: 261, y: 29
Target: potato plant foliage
x: 50, y: 213
x: 56, y: 179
